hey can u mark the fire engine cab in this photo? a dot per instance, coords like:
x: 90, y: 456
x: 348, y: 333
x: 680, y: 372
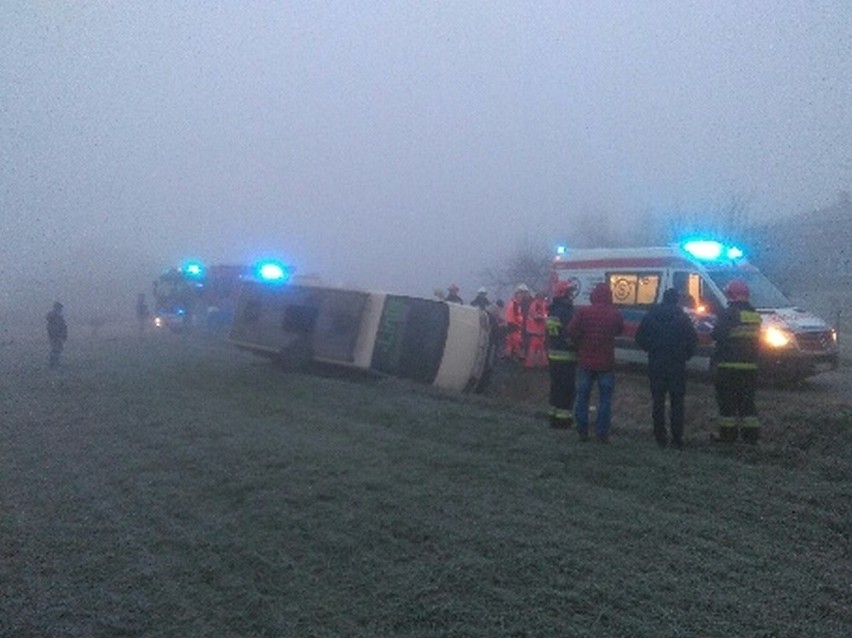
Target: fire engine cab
x: 195, y: 295
x: 794, y: 343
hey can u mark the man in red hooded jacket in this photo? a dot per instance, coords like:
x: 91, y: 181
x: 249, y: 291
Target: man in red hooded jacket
x: 594, y: 329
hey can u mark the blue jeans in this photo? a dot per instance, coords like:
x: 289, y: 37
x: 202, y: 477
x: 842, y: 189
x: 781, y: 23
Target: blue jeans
x: 606, y: 386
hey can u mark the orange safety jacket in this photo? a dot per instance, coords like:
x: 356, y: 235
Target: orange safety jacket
x: 514, y: 315
x: 537, y: 318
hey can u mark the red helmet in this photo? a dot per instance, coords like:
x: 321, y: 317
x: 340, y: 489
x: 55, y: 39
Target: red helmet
x: 563, y: 288
x: 737, y: 290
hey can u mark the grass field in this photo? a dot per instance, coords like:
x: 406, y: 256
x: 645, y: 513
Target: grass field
x: 162, y: 486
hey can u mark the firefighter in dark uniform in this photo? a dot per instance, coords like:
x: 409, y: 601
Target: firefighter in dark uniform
x: 737, y: 337
x: 561, y: 356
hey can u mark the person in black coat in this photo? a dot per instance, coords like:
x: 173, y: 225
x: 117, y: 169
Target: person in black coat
x: 57, y: 333
x: 666, y: 333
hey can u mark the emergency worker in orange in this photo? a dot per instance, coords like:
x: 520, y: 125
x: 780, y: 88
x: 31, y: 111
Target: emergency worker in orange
x: 536, y: 325
x: 561, y: 355
x: 516, y: 312
x: 737, y: 337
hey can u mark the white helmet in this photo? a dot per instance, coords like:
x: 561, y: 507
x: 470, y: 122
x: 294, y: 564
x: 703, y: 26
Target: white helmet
x: 522, y: 288
x: 482, y: 291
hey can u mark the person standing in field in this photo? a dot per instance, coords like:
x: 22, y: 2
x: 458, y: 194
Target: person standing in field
x: 536, y: 327
x: 453, y: 294
x: 141, y: 312
x: 481, y: 300
x: 666, y: 333
x: 561, y: 356
x: 498, y: 321
x: 516, y: 317
x: 57, y: 333
x: 594, y: 329
x: 737, y: 337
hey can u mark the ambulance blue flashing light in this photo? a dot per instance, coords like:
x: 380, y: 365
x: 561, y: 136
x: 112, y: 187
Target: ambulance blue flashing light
x: 711, y: 250
x: 561, y: 250
x: 273, y: 272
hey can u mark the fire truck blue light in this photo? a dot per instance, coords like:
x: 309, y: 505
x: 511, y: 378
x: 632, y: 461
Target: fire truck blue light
x: 272, y: 271
x: 193, y: 269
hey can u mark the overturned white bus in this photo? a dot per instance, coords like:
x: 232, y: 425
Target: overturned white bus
x: 425, y: 340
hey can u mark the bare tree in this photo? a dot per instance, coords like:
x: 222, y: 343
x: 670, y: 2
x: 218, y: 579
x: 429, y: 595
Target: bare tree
x: 662, y: 226
x: 529, y: 265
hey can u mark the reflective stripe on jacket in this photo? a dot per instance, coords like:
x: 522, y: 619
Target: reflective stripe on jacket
x: 737, y: 336
x: 560, y: 347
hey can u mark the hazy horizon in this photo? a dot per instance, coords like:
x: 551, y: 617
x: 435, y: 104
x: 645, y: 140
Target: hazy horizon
x: 399, y: 146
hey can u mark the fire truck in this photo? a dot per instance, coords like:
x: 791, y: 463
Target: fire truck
x: 194, y: 295
x: 795, y: 344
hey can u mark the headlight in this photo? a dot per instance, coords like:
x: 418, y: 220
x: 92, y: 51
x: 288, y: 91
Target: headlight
x: 777, y: 338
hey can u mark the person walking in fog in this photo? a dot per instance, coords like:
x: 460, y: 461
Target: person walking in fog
x: 561, y: 355
x: 737, y: 337
x: 57, y: 333
x: 666, y: 333
x: 594, y: 329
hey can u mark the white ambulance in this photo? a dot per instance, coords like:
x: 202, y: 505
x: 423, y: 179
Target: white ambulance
x: 444, y: 344
x: 794, y: 344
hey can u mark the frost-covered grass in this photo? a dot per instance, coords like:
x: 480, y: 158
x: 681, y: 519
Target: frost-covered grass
x: 176, y: 487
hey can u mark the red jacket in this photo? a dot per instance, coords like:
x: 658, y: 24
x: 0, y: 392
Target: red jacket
x: 594, y: 329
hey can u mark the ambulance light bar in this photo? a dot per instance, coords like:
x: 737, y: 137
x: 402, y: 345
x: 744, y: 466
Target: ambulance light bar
x: 711, y: 250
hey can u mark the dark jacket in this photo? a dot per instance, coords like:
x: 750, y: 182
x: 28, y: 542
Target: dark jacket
x: 56, y: 327
x: 666, y: 333
x: 737, y: 336
x: 594, y: 329
x: 481, y: 301
x: 560, y: 347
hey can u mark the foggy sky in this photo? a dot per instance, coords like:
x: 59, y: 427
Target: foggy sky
x: 399, y: 146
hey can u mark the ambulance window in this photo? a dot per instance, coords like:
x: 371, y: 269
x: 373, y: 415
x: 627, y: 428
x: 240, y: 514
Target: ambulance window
x: 634, y: 289
x: 688, y: 284
x: 695, y: 294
